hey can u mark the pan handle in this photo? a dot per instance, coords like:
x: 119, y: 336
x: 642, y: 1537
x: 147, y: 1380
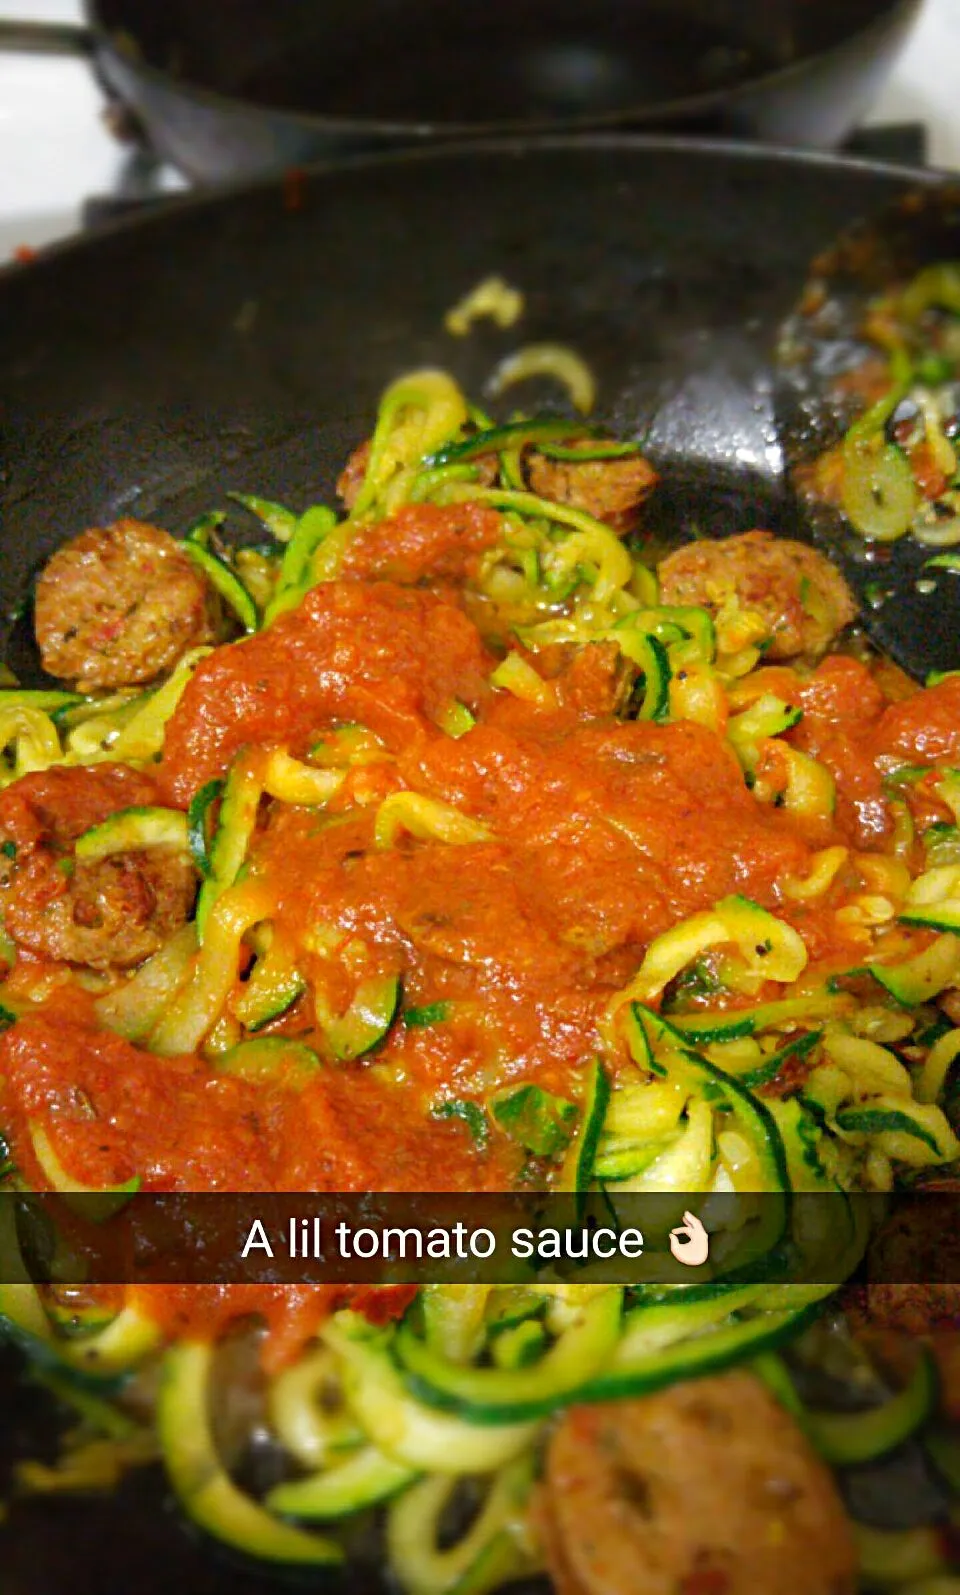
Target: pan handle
x: 45, y: 38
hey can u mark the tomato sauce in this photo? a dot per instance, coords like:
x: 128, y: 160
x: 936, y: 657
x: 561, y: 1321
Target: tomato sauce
x: 289, y: 1314
x: 441, y: 543
x: 389, y: 657
x: 924, y: 728
x: 116, y: 1111
x: 601, y: 833
x: 841, y: 706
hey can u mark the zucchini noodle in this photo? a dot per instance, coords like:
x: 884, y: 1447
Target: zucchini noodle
x: 666, y: 1006
x: 194, y: 1012
x: 554, y: 360
x: 493, y: 298
x: 494, y: 1549
x: 426, y: 819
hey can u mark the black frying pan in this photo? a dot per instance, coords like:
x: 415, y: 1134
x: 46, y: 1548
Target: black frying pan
x: 243, y: 86
x: 237, y: 342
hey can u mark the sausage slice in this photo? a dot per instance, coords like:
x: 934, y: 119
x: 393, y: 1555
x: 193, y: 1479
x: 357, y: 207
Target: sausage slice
x: 609, y: 490
x: 801, y: 597
x: 118, y: 605
x: 707, y: 1488
x: 111, y: 914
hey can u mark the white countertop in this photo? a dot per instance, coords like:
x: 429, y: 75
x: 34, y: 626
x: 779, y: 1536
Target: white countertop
x: 55, y: 151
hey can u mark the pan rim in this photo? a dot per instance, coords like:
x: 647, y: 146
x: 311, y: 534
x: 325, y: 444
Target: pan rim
x: 716, y: 151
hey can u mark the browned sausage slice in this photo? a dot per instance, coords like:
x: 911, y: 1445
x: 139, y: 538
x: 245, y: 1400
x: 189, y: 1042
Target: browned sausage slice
x: 916, y: 1241
x: 118, y: 605
x: 801, y: 597
x: 707, y: 1488
x: 610, y: 490
x: 111, y: 914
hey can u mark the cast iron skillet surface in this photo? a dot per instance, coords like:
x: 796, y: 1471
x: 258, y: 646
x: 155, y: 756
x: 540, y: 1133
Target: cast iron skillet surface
x: 235, y: 342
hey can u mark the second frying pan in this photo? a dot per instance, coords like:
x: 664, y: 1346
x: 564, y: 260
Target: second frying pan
x: 243, y: 86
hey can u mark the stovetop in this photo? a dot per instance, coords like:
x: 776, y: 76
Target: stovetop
x: 61, y: 166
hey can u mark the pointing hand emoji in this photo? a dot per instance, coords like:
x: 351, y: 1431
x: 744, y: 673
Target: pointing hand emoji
x: 689, y: 1242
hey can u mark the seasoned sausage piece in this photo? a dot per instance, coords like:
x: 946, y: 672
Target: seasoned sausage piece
x: 707, y: 1488
x: 610, y: 490
x: 111, y: 914
x: 802, y: 598
x: 916, y: 1311
x: 916, y: 1241
x: 119, y: 604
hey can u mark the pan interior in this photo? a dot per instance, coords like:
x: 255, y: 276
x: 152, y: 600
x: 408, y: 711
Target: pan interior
x: 239, y: 343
